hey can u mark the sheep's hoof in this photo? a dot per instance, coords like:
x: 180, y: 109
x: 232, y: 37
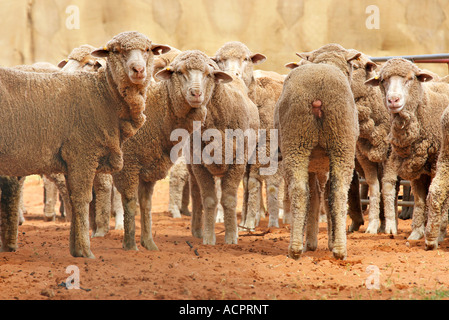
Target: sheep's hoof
x: 209, y: 240
x: 355, y: 226
x: 390, y: 227
x: 50, y: 218
x: 416, y: 234
x: 8, y: 248
x: 119, y: 226
x: 149, y: 245
x: 130, y: 246
x: 373, y: 227
x: 186, y: 212
x: 293, y: 254
x: 339, y: 254
x: 431, y: 245
x: 231, y: 238
x: 273, y: 223
x: 83, y: 254
x: 197, y: 233
x: 175, y: 214
x: 99, y: 233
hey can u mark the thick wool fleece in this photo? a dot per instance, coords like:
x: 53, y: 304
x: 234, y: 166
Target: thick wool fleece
x: 415, y: 139
x: 311, y: 145
x: 147, y: 154
x: 70, y: 124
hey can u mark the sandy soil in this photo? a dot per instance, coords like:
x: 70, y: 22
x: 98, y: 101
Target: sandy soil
x: 256, y: 268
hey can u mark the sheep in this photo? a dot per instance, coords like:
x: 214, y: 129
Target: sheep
x: 438, y: 192
x: 372, y: 146
x: 416, y: 106
x: 181, y: 98
x: 91, y: 116
x: 230, y: 113
x: 318, y: 131
x: 179, y: 190
x: 264, y: 89
x: 81, y: 59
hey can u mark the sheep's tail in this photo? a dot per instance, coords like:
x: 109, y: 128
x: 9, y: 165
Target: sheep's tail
x: 316, y: 108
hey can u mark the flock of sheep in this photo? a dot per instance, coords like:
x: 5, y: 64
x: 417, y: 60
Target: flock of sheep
x: 99, y: 127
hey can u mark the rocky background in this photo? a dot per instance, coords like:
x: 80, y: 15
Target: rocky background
x: 47, y: 30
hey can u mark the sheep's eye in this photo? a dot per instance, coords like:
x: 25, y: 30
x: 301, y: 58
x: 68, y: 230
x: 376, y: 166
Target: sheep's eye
x: 147, y: 49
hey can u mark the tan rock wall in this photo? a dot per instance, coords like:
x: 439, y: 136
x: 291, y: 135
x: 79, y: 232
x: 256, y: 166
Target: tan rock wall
x: 35, y: 30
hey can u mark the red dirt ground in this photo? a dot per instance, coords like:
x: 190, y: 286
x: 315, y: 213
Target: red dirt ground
x: 255, y: 269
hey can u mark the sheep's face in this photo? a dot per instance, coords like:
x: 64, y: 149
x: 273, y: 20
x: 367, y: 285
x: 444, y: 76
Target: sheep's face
x: 397, y: 89
x: 236, y: 59
x: 88, y: 63
x: 194, y: 76
x: 400, y: 82
x: 134, y: 52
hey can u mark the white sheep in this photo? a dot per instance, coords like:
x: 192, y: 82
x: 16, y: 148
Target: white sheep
x: 74, y: 123
x: 416, y: 105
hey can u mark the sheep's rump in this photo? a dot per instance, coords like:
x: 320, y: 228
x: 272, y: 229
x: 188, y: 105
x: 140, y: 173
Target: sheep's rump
x: 41, y: 114
x: 339, y: 122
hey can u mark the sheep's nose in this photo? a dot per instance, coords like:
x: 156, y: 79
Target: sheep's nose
x: 393, y: 99
x: 196, y: 93
x: 138, y: 69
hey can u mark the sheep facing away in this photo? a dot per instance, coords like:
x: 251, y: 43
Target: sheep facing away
x: 77, y: 129
x: 182, y: 97
x: 416, y: 105
x: 318, y: 129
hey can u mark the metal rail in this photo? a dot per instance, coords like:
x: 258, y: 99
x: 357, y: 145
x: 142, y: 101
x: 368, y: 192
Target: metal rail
x: 422, y: 58
x: 401, y: 203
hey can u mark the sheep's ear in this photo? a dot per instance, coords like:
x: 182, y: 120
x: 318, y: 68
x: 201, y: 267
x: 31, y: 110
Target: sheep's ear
x: 160, y: 49
x: 164, y: 74
x: 258, y: 58
x: 63, y: 63
x: 351, y: 55
x: 424, y: 77
x: 100, y: 53
x: 304, y: 55
x: 222, y: 77
x: 370, y: 66
x: 292, y: 65
x: 98, y: 65
x: 373, y: 82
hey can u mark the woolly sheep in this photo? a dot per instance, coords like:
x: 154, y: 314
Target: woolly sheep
x: 264, y: 89
x: 81, y: 59
x: 372, y: 145
x: 91, y: 115
x: 438, y: 192
x: 416, y: 106
x: 318, y: 129
x: 174, y: 103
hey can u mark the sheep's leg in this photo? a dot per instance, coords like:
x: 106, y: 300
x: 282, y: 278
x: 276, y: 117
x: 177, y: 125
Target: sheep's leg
x: 229, y: 187
x: 389, y: 181
x: 22, y: 209
x: 79, y: 185
x: 436, y: 210
x: 254, y: 191
x: 197, y: 206
x: 370, y: 170
x: 419, y: 189
x: 185, y: 198
x: 273, y: 188
x: 117, y: 208
x: 176, y: 187
x: 60, y: 181
x: 209, y: 199
x: 245, y: 194
x: 313, y: 214
x: 103, y: 191
x: 354, y: 205
x: 340, y: 176
x: 50, y: 196
x: 287, y: 219
x: 145, y: 194
x: 9, y: 209
x: 219, y: 218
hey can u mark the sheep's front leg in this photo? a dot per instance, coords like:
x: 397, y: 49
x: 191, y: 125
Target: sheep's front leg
x: 209, y: 199
x: 79, y: 185
x: 197, y: 206
x: 103, y: 194
x: 117, y: 208
x: 436, y: 213
x: 229, y: 187
x: 419, y: 189
x: 145, y: 194
x: 50, y: 197
x: 9, y: 206
x: 371, y: 177
x: 274, y: 183
x: 253, y: 205
x: 389, y: 181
